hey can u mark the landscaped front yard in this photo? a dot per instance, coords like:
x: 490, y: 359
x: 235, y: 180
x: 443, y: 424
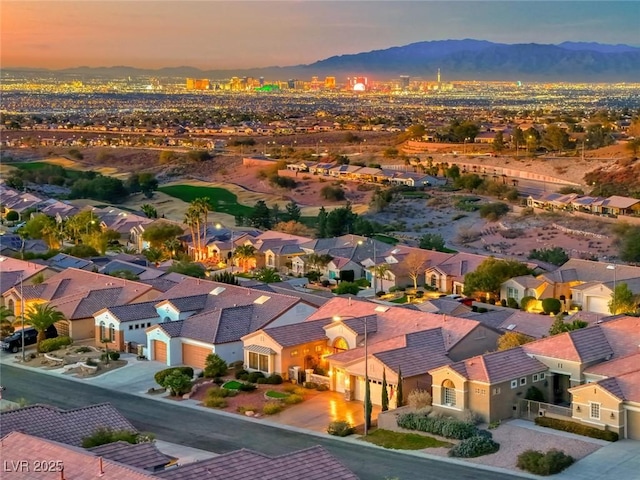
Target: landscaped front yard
x: 81, y: 360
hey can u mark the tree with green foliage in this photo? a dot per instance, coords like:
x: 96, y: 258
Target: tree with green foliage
x: 6, y: 324
x: 556, y: 255
x: 399, y: 392
x: 44, y: 227
x: 293, y: 211
x: 149, y: 210
x: 493, y: 211
x: 432, y: 241
x: 452, y: 172
x: 340, y: 221
x: 629, y: 240
x: 225, y: 277
x: 332, y: 193
x: 41, y: 316
x: 468, y: 181
x: 512, y: 340
x: 560, y: 326
x: 498, y: 142
x: 347, y: 288
x: 384, y: 402
x: 188, y: 268
x: 368, y: 407
x: 214, y: 366
x: 82, y: 251
x: 623, y: 300
x: 245, y: 254
x: 491, y: 274
x: 555, y: 138
x: 517, y: 138
x: 260, y: 217
x: 82, y: 223
x: 322, y: 223
x: 177, y: 383
x: 268, y: 275
x: 158, y: 233
x: 551, y: 305
x: 153, y: 255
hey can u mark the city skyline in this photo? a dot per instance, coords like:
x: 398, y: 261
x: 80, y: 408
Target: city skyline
x: 250, y: 34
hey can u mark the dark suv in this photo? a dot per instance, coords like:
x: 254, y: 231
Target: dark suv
x: 13, y: 343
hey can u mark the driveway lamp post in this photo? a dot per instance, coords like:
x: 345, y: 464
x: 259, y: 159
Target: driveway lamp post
x: 367, y: 392
x: 373, y: 279
x: 615, y: 300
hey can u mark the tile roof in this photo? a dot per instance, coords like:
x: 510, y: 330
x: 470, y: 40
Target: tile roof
x: 79, y: 464
x: 172, y: 329
x: 297, y: 333
x: 588, y: 270
x: 498, y: 367
x: 62, y: 261
x: 313, y: 463
x: 617, y: 366
x: 530, y: 324
x: 143, y: 455
x: 613, y: 387
x: 583, y: 345
x: 623, y: 334
x: 160, y: 284
x: 134, y: 311
x: 65, y: 426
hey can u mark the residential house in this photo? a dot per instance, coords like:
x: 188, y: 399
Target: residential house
x: 13, y: 272
x: 404, y: 262
x: 414, y: 179
x: 527, y: 286
x: 617, y: 205
x: 198, y: 317
x: 447, y: 275
x: 137, y: 230
x: 275, y: 250
x: 120, y: 221
x: 78, y: 294
x: 62, y: 261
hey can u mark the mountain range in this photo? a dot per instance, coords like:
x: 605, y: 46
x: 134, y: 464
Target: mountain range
x: 457, y: 60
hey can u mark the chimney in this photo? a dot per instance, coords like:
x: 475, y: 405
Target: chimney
x: 349, y: 301
x: 100, y: 469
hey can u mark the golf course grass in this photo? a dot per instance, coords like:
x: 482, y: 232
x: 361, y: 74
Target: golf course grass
x: 221, y: 200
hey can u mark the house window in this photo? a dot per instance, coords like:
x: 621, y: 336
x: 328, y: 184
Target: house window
x: 294, y: 353
x: 523, y: 381
x: 594, y: 410
x: 258, y: 362
x: 112, y: 333
x: 514, y: 383
x: 448, y: 393
x: 102, y: 331
x: 512, y: 293
x: 137, y: 326
x: 340, y: 345
x: 318, y: 348
x: 148, y: 324
x: 434, y: 280
x: 535, y: 377
x: 130, y: 327
x: 480, y: 391
x: 496, y: 391
x: 542, y: 376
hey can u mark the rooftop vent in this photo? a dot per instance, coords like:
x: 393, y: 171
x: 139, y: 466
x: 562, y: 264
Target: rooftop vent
x: 262, y: 299
x: 217, y: 291
x: 381, y: 309
x: 511, y: 326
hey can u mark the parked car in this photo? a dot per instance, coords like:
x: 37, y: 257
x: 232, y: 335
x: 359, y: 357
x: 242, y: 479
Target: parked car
x: 13, y: 343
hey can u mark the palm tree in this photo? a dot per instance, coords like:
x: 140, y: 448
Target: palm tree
x: 41, y: 317
x: 268, y: 275
x: 200, y: 207
x: 245, y: 253
x: 154, y: 255
x: 380, y: 271
x: 6, y: 325
x: 192, y: 219
x: 172, y: 245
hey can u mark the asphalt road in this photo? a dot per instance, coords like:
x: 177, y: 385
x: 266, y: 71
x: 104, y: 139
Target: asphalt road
x: 219, y: 434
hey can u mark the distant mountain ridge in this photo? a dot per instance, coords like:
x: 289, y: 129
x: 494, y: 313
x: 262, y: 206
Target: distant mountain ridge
x: 457, y: 59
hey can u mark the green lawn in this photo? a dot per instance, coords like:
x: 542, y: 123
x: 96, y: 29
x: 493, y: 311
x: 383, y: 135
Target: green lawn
x: 403, y: 441
x: 386, y: 239
x: 222, y: 200
x: 232, y: 385
x: 402, y: 299
x: 274, y: 394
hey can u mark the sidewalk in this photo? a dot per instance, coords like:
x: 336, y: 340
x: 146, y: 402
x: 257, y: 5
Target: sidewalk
x: 618, y: 460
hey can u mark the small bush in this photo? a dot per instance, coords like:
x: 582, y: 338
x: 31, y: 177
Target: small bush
x: 438, y: 425
x: 290, y: 388
x: 274, y: 379
x: 551, y: 305
x: 419, y: 399
x: 240, y: 373
x: 102, y: 436
x: 215, y: 402
x: 293, y: 399
x: 524, y: 303
x: 310, y: 385
x: 83, y: 349
x: 254, y: 376
x: 221, y: 392
x: 214, y: 366
x: 114, y: 356
x: 247, y: 408
x: 539, y: 463
x: 52, y: 344
x: 322, y: 387
x: 162, y: 374
x: 177, y: 383
x: 271, y: 408
x: 474, y: 447
x: 472, y: 417
x: 577, y: 428
x: 247, y: 387
x: 261, y: 381
x: 340, y: 428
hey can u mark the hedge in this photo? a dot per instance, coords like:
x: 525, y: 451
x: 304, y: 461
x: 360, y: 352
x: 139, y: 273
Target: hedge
x: 443, y: 426
x: 162, y: 374
x: 474, y: 447
x: 539, y: 463
x: 52, y: 344
x: 577, y: 428
x: 340, y: 428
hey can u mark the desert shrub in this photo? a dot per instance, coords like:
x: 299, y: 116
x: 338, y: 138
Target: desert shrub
x: 322, y: 387
x: 524, y: 303
x: 241, y: 373
x: 293, y: 399
x: 345, y: 288
x: 419, y: 399
x: 114, y: 355
x: 271, y: 408
x: 443, y: 426
x: 551, y: 305
x: 254, y: 376
x: 340, y: 428
x: 577, y: 428
x: 52, y: 344
x: 215, y: 402
x: 214, y: 366
x: 274, y: 379
x: 83, y: 349
x: 310, y: 385
x: 247, y: 408
x: 474, y: 447
x: 539, y: 463
x: 177, y: 383
x: 329, y: 192
x: 221, y: 392
x: 247, y: 387
x: 534, y: 394
x: 102, y: 436
x: 493, y: 211
x: 261, y: 381
x: 472, y: 417
x: 290, y: 388
x: 162, y: 374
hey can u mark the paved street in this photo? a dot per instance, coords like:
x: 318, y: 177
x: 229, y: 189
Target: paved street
x: 201, y: 428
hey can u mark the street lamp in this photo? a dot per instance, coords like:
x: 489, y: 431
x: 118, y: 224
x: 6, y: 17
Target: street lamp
x: 218, y: 227
x: 367, y: 392
x: 615, y: 304
x: 373, y: 280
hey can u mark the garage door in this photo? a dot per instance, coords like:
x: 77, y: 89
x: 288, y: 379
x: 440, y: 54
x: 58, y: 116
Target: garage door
x: 195, y: 356
x: 159, y: 351
x: 375, y: 391
x: 633, y: 425
x: 598, y: 304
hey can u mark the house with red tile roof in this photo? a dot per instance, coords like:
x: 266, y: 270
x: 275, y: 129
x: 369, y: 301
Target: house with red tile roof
x: 78, y: 294
x: 198, y: 317
x: 403, y: 262
x: 12, y: 270
x: 447, y: 275
x: 398, y: 338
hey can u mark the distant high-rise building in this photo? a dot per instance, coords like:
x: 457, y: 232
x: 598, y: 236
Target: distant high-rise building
x: 404, y: 82
x: 291, y: 83
x: 438, y: 75
x: 330, y: 82
x: 358, y: 84
x: 261, y: 81
x: 197, y: 84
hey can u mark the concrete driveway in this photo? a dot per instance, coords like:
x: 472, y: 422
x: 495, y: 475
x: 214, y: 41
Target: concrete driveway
x: 135, y: 377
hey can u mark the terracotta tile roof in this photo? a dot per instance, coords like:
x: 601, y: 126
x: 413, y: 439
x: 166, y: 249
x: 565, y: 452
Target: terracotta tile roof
x: 583, y: 345
x: 587, y: 270
x: 498, y: 367
x: 65, y: 426
x: 298, y: 333
x: 530, y: 324
x: 78, y: 464
x: 617, y: 366
x: 28, y: 269
x: 629, y: 385
x: 140, y: 455
x: 313, y: 463
x: 160, y: 284
x: 623, y: 334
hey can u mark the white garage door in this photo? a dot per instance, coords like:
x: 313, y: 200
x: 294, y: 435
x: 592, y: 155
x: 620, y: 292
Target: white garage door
x: 633, y: 425
x: 598, y: 304
x: 375, y: 390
